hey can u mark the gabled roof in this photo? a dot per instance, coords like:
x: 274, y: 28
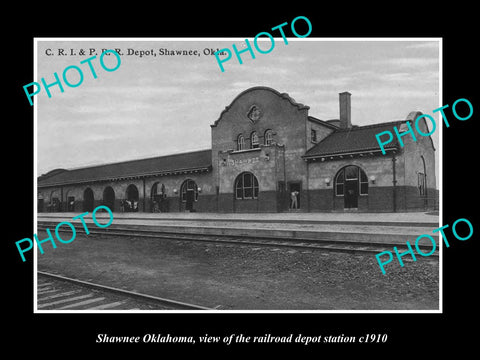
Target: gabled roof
x: 264, y: 88
x: 354, y: 140
x: 322, y: 122
x: 160, y: 165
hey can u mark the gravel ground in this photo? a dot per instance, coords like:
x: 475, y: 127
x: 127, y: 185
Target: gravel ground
x: 247, y: 277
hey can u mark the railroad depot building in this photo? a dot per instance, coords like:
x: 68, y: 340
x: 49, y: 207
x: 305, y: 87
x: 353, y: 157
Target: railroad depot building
x: 267, y: 155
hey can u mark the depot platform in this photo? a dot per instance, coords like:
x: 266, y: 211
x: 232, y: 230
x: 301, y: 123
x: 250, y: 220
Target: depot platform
x: 391, y: 228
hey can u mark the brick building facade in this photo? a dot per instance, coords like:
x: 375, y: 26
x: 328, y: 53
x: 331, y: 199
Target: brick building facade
x: 268, y: 155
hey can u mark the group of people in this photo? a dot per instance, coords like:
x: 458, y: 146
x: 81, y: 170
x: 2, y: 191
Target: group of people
x: 157, y: 206
x: 128, y: 205
x: 54, y: 206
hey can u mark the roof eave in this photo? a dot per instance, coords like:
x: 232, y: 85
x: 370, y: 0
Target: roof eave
x: 130, y: 176
x: 323, y: 122
x: 350, y: 153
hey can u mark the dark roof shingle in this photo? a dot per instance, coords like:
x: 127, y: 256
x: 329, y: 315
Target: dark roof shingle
x: 355, y: 139
x: 151, y: 166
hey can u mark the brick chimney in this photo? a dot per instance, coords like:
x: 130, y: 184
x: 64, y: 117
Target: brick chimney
x: 345, y: 110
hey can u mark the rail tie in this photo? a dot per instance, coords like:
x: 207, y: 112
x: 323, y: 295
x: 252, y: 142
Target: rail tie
x: 164, y: 301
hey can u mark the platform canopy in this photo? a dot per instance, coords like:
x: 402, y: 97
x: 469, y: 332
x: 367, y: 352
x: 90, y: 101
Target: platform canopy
x: 197, y: 161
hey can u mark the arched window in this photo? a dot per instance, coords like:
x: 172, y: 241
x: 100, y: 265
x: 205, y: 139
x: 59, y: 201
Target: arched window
x: 354, y: 176
x: 254, y: 140
x: 340, y: 183
x: 191, y: 187
x: 246, y: 186
x: 40, y: 202
x: 268, y: 137
x: 240, y: 142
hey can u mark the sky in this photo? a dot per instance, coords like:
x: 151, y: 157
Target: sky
x: 162, y: 104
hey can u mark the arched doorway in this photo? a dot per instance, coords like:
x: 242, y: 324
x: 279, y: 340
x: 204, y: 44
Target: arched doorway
x: 131, y: 197
x: 158, y: 198
x: 246, y: 186
x: 55, y: 201
x: 189, y: 194
x: 88, y: 200
x: 40, y: 202
x: 109, y: 198
x: 70, y: 204
x: 350, y: 183
x: 422, y: 178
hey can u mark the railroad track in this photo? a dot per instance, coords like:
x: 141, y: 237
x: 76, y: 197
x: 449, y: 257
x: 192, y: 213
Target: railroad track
x: 347, y: 246
x: 54, y: 297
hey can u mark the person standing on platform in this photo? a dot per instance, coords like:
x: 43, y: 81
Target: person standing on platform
x: 293, y: 197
